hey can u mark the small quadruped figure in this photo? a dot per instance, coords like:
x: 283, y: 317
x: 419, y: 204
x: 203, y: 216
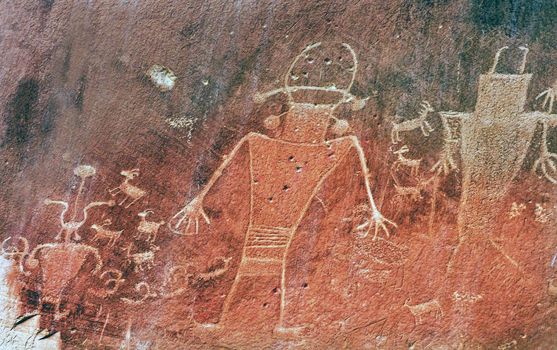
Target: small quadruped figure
x: 308, y: 147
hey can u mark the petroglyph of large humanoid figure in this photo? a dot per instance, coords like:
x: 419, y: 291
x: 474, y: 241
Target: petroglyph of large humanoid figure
x: 302, y: 158
x: 494, y: 140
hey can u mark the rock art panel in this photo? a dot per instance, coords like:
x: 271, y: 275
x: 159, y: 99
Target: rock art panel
x: 305, y: 175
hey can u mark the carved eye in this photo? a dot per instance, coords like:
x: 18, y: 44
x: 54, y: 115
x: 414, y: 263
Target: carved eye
x: 327, y: 61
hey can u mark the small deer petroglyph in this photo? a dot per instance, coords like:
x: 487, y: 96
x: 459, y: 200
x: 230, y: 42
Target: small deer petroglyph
x: 149, y: 228
x: 420, y: 310
x: 143, y: 260
x: 103, y: 233
x: 413, y: 164
x: 131, y: 192
x: 409, y: 125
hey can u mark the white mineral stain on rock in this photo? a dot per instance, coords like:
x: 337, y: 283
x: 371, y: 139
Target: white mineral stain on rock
x: 162, y: 77
x: 27, y: 334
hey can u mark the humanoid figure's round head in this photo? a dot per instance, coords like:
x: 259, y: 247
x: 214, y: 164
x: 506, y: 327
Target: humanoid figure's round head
x: 322, y: 75
x: 317, y: 81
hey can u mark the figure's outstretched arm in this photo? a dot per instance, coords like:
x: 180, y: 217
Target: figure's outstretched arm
x: 546, y: 164
x: 193, y: 210
x: 379, y: 220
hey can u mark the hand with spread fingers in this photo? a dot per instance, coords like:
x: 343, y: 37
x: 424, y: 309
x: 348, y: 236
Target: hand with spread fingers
x: 186, y: 221
x: 376, y: 221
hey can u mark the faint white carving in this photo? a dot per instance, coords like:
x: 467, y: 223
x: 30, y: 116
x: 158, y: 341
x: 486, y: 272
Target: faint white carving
x: 413, y: 164
x: 419, y: 310
x: 141, y: 261
x: 179, y: 278
x: 15, y: 252
x: 516, y: 210
x: 103, y: 233
x: 185, y: 123
x: 446, y: 162
x: 508, y: 345
x: 546, y: 161
x: 130, y: 191
x: 550, y: 94
x: 412, y: 124
x: 177, y: 281
x: 466, y: 297
x: 144, y: 291
x: 149, y: 228
x: 217, y: 272
x: 114, y: 280
x: 542, y: 215
x: 552, y: 287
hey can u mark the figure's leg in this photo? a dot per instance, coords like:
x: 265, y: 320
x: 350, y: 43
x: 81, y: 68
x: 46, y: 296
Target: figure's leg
x: 280, y: 328
x: 229, y: 297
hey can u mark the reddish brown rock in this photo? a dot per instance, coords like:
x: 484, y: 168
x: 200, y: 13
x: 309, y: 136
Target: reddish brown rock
x: 279, y: 174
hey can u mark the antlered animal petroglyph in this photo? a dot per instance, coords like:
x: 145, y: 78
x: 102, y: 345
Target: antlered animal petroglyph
x: 412, y: 124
